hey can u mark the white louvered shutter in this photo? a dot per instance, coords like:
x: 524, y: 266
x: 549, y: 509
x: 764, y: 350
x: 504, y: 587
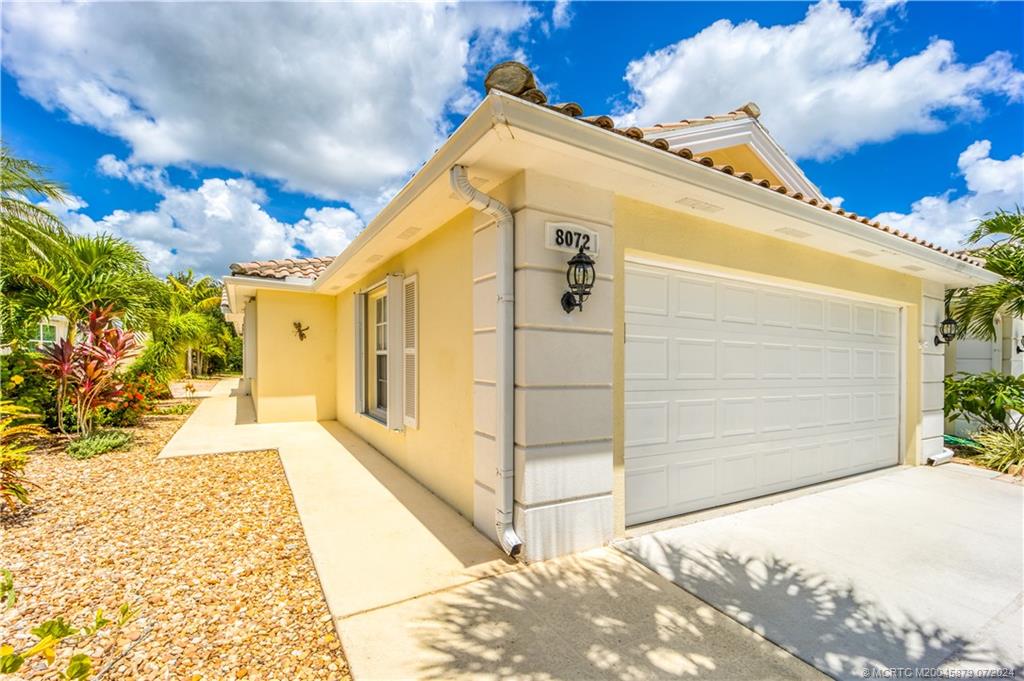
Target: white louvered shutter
x: 395, y: 419
x: 359, y: 353
x: 411, y: 370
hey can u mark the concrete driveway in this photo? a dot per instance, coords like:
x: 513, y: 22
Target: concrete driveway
x: 915, y: 568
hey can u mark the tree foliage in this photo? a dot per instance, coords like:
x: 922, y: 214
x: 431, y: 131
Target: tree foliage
x: 977, y: 309
x: 24, y: 224
x: 190, y: 321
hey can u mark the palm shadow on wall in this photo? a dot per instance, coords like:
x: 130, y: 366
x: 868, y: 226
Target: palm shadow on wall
x: 584, y: 619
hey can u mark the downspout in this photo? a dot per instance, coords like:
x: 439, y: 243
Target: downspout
x: 503, y: 492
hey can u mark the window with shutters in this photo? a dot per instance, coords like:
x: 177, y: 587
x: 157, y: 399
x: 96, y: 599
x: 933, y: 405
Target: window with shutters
x: 387, y: 360
x: 410, y: 343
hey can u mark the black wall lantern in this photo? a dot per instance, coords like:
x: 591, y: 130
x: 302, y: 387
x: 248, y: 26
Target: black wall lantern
x: 1020, y: 345
x: 947, y: 331
x: 580, y: 276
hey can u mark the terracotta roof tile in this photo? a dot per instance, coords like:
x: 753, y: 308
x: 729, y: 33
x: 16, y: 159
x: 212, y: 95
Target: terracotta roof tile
x: 308, y: 268
x: 749, y: 110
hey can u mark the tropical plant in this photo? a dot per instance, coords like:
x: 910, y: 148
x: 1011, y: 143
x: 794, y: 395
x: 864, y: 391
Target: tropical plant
x: 189, y: 330
x: 57, y: 632
x: 1001, y: 450
x: 83, y: 271
x: 16, y: 431
x: 99, y: 442
x: 991, y: 401
x: 976, y: 309
x: 24, y: 224
x: 23, y: 383
x: 85, y: 370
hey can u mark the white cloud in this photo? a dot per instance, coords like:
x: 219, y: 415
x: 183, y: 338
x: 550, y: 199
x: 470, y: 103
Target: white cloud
x: 561, y: 14
x: 992, y: 184
x: 820, y: 89
x: 151, y: 178
x: 340, y: 100
x: 219, y: 222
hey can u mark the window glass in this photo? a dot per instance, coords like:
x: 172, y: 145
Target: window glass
x: 377, y: 355
x: 47, y: 333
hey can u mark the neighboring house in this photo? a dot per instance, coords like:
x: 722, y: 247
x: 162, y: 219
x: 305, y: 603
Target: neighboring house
x: 50, y: 330
x: 973, y: 355
x: 743, y: 336
x: 47, y: 331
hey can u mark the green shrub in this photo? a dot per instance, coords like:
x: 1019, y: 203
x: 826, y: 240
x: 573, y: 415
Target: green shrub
x: 176, y: 409
x: 990, y: 401
x: 24, y: 384
x: 1001, y: 450
x: 97, y: 443
x: 16, y: 432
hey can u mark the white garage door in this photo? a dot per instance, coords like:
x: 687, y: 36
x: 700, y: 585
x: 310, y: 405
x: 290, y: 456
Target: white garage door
x: 737, y: 388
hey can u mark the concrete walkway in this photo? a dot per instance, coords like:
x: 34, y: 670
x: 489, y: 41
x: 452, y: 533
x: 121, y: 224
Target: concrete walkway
x: 917, y: 568
x: 417, y: 593
x: 376, y: 536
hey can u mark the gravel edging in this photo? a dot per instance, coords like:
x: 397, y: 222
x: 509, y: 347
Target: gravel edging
x: 209, y: 547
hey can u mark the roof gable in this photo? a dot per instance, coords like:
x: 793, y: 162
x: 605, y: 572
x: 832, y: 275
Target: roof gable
x: 726, y: 134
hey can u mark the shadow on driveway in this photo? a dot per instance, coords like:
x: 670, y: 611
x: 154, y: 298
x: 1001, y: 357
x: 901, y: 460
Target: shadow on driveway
x: 823, y: 623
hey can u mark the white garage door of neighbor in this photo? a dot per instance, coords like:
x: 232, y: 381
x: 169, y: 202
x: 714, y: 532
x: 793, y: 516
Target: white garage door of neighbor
x: 737, y: 388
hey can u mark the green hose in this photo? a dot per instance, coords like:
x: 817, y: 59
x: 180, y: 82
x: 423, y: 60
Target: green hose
x: 960, y: 441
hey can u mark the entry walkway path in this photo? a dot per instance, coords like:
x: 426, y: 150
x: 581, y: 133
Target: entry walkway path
x: 418, y: 593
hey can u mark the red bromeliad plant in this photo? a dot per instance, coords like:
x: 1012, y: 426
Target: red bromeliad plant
x: 86, y: 370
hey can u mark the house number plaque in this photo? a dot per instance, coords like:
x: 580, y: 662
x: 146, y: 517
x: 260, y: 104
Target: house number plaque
x: 569, y: 237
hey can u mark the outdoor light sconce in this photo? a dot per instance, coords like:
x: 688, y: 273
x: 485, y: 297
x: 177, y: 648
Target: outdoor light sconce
x: 947, y: 331
x: 580, y: 276
x: 1020, y: 345
x: 300, y: 330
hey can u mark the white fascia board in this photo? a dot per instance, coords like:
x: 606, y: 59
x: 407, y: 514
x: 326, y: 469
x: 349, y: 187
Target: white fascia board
x: 565, y: 130
x: 778, y: 160
x: 486, y: 116
x: 235, y: 282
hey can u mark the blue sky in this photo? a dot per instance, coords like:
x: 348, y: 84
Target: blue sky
x: 214, y: 133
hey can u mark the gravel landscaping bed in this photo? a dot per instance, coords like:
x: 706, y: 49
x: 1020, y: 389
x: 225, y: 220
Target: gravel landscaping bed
x: 209, y: 548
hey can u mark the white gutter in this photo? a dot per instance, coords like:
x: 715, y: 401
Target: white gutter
x: 504, y: 222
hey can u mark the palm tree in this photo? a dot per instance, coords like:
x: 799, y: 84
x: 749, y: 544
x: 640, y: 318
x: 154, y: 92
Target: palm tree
x: 976, y: 309
x: 23, y: 224
x: 188, y: 324
x: 82, y: 271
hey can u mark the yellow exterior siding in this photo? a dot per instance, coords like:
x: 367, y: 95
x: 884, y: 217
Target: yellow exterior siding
x: 643, y: 229
x: 295, y: 378
x: 744, y: 159
x: 439, y: 453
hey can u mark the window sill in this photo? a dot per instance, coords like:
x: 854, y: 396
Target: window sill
x: 378, y: 419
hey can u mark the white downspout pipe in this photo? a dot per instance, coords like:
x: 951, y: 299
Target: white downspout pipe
x: 505, y: 332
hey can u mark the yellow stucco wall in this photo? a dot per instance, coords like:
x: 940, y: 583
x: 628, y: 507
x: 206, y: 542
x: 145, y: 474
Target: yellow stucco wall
x: 744, y: 159
x: 645, y: 229
x: 295, y: 378
x: 439, y: 452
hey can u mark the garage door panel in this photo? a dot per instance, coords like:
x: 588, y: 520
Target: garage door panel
x: 696, y: 419
x: 735, y: 389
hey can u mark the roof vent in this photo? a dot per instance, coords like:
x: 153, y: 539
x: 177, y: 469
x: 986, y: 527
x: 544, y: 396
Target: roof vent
x: 913, y: 268
x: 795, y: 233
x: 408, y: 232
x: 697, y: 204
x: 863, y: 253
